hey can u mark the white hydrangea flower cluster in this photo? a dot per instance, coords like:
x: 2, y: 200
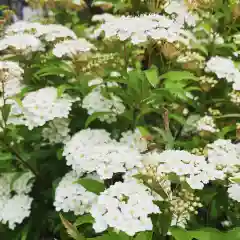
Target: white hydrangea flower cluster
x: 57, y: 131
x: 125, y: 207
x: 72, y: 48
x: 135, y: 140
x: 225, y: 156
x: 71, y: 196
x: 234, y: 192
x: 182, y: 14
x: 95, y: 102
x: 191, y: 168
x: 224, y: 68
x: 11, y: 75
x: 23, y: 27
x: 139, y: 29
x: 39, y: 107
x: 48, y: 32
x: 206, y: 124
x: 15, y: 208
x: 94, y: 151
x: 22, y: 43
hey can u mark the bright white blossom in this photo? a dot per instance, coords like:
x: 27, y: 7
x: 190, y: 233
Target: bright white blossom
x: 224, y: 68
x: 57, y: 131
x: 207, y: 124
x: 23, y: 27
x: 94, y: 151
x: 16, y: 210
x: 22, y: 43
x: 72, y: 48
x: 225, y: 156
x: 42, y: 106
x: 54, y: 32
x: 11, y: 78
x: 125, y: 207
x: 14, y: 203
x: 234, y: 192
x: 95, y: 102
x: 72, y: 196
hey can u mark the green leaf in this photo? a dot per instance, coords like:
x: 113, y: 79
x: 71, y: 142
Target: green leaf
x: 144, y: 132
x: 152, y: 76
x: 94, y: 116
x: 61, y: 89
x: 5, y: 111
x: 6, y: 156
x: 233, y: 234
x: 84, y: 219
x: 71, y: 229
x: 207, y: 234
x: 144, y: 236
x: 235, y: 179
x: 180, y: 233
x: 92, y: 185
x: 180, y: 119
x: 234, y: 115
x: 15, y: 178
x: 59, y: 154
x: 179, y: 75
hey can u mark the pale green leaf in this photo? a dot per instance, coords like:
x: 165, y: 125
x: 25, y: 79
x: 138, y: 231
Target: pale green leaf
x: 92, y: 185
x: 152, y: 76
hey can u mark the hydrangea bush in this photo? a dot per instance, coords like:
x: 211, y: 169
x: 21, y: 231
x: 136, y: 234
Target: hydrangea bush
x: 123, y: 127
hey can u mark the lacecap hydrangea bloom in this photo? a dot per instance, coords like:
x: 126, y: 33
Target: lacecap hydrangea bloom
x: 125, y: 207
x: 234, y: 192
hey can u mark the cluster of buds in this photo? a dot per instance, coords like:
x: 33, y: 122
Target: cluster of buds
x: 214, y: 112
x: 185, y: 203
x: 200, y: 4
x: 99, y: 60
x: 191, y: 60
x: 235, y: 97
x: 198, y: 151
x: 207, y: 83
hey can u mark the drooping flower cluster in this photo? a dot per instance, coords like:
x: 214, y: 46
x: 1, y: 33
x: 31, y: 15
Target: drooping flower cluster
x: 57, y: 131
x: 108, y: 108
x: 11, y: 76
x: 125, y: 207
x: 39, y: 107
x: 94, y: 151
x: 72, y: 196
x: 15, y: 204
